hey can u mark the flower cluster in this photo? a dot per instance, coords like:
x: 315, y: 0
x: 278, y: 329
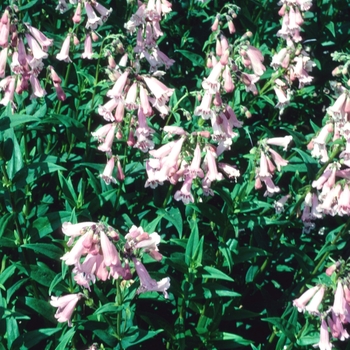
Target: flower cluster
x: 334, y: 317
x: 95, y: 255
x: 293, y: 62
x: 96, y: 15
x: 27, y: 47
x: 269, y: 161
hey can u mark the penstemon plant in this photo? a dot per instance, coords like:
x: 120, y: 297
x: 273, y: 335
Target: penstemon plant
x: 174, y: 174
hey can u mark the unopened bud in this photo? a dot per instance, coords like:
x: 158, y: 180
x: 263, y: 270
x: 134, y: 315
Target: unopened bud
x: 94, y: 36
x: 337, y: 71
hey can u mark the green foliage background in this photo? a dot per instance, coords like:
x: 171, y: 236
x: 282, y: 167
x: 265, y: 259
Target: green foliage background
x: 235, y: 265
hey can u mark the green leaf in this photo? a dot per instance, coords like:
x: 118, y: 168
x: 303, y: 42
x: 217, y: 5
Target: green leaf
x: 234, y: 340
x: 13, y: 153
x: 212, y: 272
x: 41, y: 274
x: 173, y: 215
x: 192, y: 243
x: 108, y: 308
x: 34, y: 171
x: 311, y: 163
x: 196, y: 59
x: 65, y: 339
x: 30, y: 339
x: 6, y: 220
x: 12, y: 331
x: 42, y: 307
x: 137, y: 335
x: 46, y: 249
x: 330, y: 27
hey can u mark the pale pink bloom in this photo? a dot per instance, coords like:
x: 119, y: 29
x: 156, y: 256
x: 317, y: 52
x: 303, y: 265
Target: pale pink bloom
x: 22, y: 57
x: 143, y: 128
x: 38, y: 91
x: 3, y: 60
x: 148, y: 284
x: 75, y: 230
x: 204, y: 109
x: 105, y: 13
x: 315, y: 303
x: 319, y: 144
x: 337, y: 329
x: 224, y: 43
x: 107, y: 175
x: 218, y: 49
x: 212, y: 172
x: 279, y: 161
x: 215, y: 25
x: 344, y: 202
x: 304, y: 5
x: 322, y: 179
x: 264, y: 170
x: 346, y: 293
x: 229, y: 170
x: 118, y: 87
x: 109, y: 251
x: 184, y: 194
x: 206, y: 186
x: 331, y: 269
x: 59, y: 91
x: 298, y: 18
x: 324, y: 343
x: 123, y: 61
x: 278, y: 58
x: 130, y: 101
x: 120, y: 173
x: 194, y: 169
x: 232, y: 118
x: 284, y: 32
x: 280, y: 141
x: 231, y: 27
x: 152, y: 180
x: 93, y: 20
x: 145, y: 105
x: 337, y: 111
x: 106, y: 146
x: 62, y: 6
x: 211, y: 84
x: 64, y: 53
x: 271, y: 188
x: 300, y: 72
x: 174, y: 130
x: 159, y: 90
x: 329, y: 203
x: 249, y: 81
x: 292, y: 25
x: 256, y: 59
x: 339, y: 300
x: 9, y: 92
x: 106, y: 111
x: 4, y: 34
x: 39, y: 37
x: 168, y: 62
x: 301, y: 302
x: 77, y: 14
x: 66, y: 305
x: 101, y: 133
x: 163, y: 151
x: 228, y: 83
x: 87, y: 48
x: 119, y: 112
x: 143, y: 143
x: 81, y: 247
x: 279, y: 205
x: 283, y: 99
x: 37, y: 52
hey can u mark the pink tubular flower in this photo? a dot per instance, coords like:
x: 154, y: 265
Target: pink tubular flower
x: 66, y: 306
x: 105, y: 13
x: 336, y: 327
x: 64, y: 53
x: 77, y: 14
x: 39, y: 37
x: 118, y: 87
x: 3, y: 60
x: 87, y: 48
x: 75, y: 230
x: 106, y: 146
x: 148, y: 284
x: 211, y: 84
x: 185, y: 193
x: 107, y: 176
x: 256, y: 59
x: 93, y: 20
x: 314, y: 304
x: 159, y: 90
x: 324, y: 343
x: 215, y: 25
x: 110, y: 253
x: 339, y: 300
x: 37, y: 52
x: 194, y: 169
x: 9, y: 91
x: 212, y: 172
x: 279, y: 161
x: 204, y: 109
x: 280, y: 141
x: 38, y: 91
x: 301, y: 302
